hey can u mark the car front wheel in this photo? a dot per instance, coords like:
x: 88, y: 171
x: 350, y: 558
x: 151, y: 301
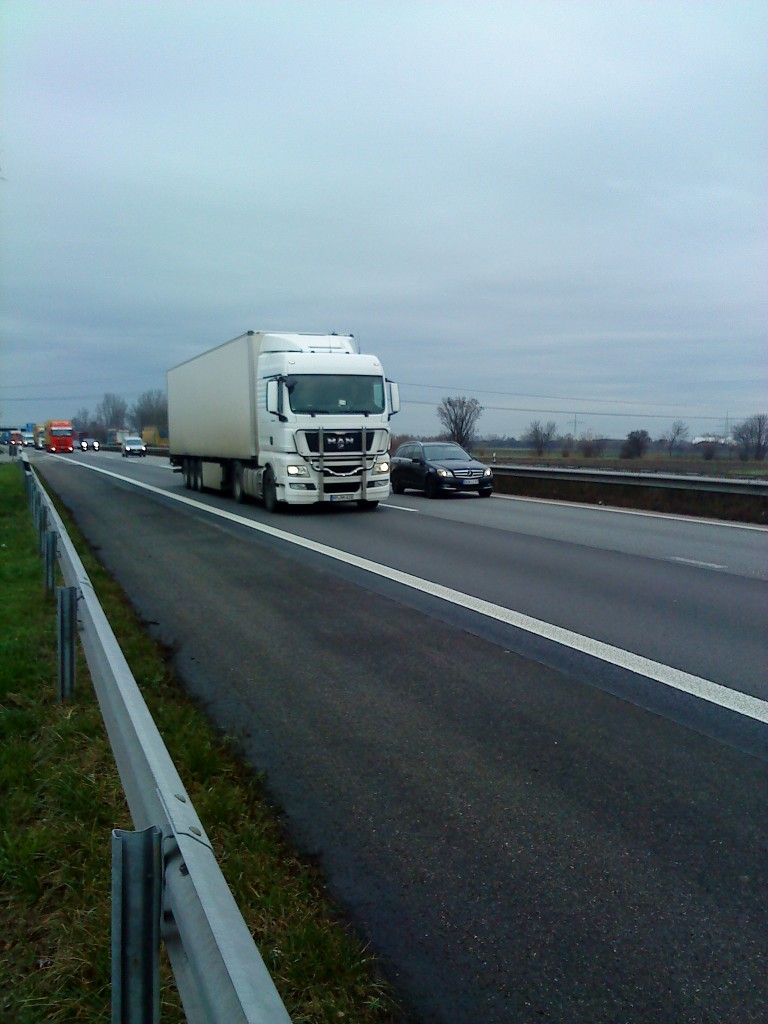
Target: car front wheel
x: 431, y: 488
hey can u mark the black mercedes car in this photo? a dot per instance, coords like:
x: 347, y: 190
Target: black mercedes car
x: 437, y: 467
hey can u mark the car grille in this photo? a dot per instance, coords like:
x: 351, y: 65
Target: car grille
x: 468, y: 474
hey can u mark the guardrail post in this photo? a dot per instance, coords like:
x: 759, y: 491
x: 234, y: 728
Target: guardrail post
x: 137, y: 885
x: 50, y: 560
x: 66, y: 621
x: 42, y: 523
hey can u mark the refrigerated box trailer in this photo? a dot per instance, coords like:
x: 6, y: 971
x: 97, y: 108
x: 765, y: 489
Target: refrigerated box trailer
x: 287, y: 418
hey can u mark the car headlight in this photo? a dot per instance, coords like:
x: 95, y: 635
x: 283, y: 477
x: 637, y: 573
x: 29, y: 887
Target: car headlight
x: 488, y: 472
x: 297, y: 471
x: 381, y: 467
x: 444, y: 472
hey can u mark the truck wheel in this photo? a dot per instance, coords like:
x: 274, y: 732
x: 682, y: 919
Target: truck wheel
x: 189, y: 479
x: 238, y: 492
x: 197, y: 475
x: 269, y: 491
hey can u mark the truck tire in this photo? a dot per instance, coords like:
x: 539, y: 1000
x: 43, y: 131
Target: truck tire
x: 189, y: 479
x: 238, y: 491
x: 269, y: 491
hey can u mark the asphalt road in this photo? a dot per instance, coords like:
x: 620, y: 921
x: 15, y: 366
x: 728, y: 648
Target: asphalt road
x: 522, y: 830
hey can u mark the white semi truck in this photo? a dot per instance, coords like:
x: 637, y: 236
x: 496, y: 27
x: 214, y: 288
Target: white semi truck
x: 285, y: 418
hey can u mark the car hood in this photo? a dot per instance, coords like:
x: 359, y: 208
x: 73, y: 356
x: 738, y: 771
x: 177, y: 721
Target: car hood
x: 455, y: 464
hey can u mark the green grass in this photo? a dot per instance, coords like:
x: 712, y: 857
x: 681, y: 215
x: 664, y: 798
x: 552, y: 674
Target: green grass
x: 62, y: 797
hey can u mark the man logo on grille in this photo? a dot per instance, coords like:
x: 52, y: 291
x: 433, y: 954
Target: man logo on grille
x: 341, y: 441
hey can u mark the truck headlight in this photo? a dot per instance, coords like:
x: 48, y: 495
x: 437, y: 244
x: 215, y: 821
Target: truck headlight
x: 381, y: 467
x: 297, y: 471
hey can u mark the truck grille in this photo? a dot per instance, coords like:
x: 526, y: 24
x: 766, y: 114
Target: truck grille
x: 339, y: 442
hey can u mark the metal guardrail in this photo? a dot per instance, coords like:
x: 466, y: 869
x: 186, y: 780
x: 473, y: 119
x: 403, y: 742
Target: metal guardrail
x: 720, y: 485
x: 219, y: 971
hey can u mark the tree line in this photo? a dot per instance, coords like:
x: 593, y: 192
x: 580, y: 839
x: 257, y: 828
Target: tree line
x: 114, y: 413
x: 459, y: 417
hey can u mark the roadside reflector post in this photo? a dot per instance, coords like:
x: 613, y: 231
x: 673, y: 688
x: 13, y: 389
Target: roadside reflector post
x: 137, y: 887
x: 66, y: 620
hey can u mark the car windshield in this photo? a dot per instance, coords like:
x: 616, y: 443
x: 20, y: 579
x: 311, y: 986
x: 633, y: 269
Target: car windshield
x: 444, y: 452
x: 133, y: 440
x: 318, y: 394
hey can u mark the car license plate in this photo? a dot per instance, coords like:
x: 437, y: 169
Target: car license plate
x: 470, y: 483
x: 342, y: 497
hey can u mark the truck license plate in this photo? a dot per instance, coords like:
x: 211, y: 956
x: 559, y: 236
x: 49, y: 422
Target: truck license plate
x: 342, y: 497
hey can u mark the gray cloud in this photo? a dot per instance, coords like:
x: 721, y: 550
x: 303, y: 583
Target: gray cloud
x: 535, y: 199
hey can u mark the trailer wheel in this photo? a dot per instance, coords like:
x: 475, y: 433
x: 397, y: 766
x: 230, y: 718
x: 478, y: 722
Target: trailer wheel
x: 269, y: 491
x: 189, y: 479
x: 238, y: 491
x: 198, y: 474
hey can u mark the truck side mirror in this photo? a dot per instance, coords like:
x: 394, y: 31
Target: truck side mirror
x: 394, y: 397
x: 273, y: 397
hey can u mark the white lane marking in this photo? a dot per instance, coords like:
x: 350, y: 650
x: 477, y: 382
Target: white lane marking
x: 693, y: 561
x: 705, y: 689
x: 701, y: 520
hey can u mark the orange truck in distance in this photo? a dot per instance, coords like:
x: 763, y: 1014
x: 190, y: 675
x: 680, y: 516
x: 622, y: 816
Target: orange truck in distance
x: 59, y: 436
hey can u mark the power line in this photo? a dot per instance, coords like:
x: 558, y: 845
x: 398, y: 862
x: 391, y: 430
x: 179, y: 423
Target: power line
x: 582, y: 412
x: 571, y: 399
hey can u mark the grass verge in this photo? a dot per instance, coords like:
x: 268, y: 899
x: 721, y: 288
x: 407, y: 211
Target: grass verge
x: 62, y: 797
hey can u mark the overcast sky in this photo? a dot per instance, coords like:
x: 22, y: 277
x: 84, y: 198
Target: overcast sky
x: 558, y: 208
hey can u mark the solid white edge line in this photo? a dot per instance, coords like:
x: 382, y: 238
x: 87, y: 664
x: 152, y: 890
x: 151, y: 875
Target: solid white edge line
x: 643, y: 513
x: 705, y: 689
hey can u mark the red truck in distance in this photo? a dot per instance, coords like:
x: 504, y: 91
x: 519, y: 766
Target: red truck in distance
x: 59, y: 436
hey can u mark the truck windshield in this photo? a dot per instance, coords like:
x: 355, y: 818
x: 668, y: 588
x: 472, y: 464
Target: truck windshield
x: 61, y: 432
x: 325, y: 394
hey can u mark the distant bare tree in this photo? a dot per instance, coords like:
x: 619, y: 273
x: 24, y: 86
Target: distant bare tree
x: 112, y: 411
x: 591, y: 446
x: 539, y: 437
x: 150, y: 410
x: 396, y: 440
x: 677, y: 432
x: 752, y: 435
x: 635, y: 445
x: 81, y: 421
x: 459, y: 416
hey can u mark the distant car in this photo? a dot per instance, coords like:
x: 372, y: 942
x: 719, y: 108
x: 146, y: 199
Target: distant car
x: 17, y: 438
x: 133, y: 446
x: 438, y: 467
x: 89, y: 442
